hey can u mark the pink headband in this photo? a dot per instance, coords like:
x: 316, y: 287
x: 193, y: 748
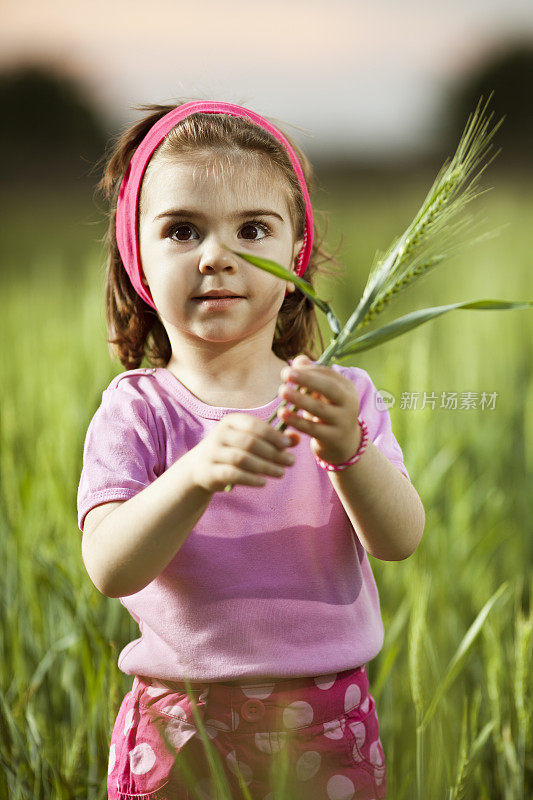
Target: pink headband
x: 127, y: 219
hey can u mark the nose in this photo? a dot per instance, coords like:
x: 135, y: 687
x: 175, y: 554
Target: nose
x: 215, y: 257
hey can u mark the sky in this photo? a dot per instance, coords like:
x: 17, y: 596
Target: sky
x: 367, y: 77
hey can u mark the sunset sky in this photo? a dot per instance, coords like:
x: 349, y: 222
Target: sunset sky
x: 364, y: 76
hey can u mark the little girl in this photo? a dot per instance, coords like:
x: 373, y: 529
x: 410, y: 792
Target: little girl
x: 262, y: 603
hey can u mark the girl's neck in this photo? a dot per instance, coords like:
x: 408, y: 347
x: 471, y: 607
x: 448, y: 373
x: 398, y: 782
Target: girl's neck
x: 252, y: 392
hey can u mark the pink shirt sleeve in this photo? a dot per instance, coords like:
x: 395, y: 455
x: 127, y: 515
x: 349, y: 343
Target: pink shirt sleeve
x: 376, y: 415
x: 121, y: 451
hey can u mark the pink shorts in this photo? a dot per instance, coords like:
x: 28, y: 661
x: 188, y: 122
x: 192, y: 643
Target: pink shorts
x: 325, y: 728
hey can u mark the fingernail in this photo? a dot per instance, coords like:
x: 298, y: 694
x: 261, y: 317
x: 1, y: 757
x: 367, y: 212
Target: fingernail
x: 285, y: 372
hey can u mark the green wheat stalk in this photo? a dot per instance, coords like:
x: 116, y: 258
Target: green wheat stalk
x: 458, y: 791
x: 523, y: 639
x: 456, y: 663
x: 454, y: 667
x: 468, y: 756
x: 417, y: 627
x: 431, y: 238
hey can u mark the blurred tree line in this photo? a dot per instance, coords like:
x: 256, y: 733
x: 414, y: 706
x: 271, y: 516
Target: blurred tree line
x: 509, y: 74
x: 52, y: 132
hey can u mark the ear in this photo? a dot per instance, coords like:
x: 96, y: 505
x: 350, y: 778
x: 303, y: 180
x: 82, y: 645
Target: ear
x: 296, y: 252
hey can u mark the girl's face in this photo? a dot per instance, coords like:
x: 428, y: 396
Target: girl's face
x: 187, y: 213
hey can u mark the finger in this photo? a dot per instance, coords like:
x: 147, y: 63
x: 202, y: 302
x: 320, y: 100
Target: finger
x: 326, y: 383
x: 243, y: 423
x: 245, y: 460
x: 294, y: 436
x: 313, y: 403
x: 312, y: 428
x: 232, y: 476
x: 256, y: 452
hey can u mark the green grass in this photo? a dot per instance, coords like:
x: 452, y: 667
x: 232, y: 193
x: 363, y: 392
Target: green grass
x: 455, y: 722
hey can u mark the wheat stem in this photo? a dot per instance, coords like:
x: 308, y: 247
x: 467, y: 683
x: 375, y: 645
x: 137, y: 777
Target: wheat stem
x: 524, y: 631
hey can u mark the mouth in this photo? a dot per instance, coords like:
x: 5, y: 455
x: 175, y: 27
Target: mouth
x: 219, y: 297
x: 215, y: 303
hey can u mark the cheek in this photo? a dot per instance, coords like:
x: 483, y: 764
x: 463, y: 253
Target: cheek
x: 266, y: 286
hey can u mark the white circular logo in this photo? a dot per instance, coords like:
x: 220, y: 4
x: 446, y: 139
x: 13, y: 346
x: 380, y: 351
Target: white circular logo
x: 384, y: 399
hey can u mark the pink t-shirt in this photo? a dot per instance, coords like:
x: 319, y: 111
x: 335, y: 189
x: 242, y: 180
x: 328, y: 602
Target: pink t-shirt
x: 272, y: 581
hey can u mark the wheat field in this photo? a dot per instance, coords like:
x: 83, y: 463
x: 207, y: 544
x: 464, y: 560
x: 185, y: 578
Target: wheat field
x: 453, y: 682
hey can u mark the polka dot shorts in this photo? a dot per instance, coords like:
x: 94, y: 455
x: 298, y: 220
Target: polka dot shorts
x: 324, y: 729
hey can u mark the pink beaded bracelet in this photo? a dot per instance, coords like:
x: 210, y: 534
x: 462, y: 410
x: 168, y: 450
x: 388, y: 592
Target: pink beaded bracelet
x: 360, y: 450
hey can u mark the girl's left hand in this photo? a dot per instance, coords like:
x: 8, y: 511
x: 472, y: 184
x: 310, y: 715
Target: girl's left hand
x: 329, y: 413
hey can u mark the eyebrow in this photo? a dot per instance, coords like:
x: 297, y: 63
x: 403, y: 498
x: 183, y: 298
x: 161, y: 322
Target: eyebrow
x: 184, y: 212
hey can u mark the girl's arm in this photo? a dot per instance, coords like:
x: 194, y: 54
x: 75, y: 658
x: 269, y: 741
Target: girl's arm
x: 383, y: 505
x: 136, y: 541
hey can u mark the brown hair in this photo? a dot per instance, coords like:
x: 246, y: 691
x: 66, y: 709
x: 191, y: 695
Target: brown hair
x: 133, y: 327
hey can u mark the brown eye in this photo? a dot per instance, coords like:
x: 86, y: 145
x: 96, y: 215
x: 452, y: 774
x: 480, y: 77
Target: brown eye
x: 257, y: 226
x: 179, y: 229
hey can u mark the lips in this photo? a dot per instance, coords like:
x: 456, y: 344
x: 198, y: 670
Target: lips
x: 217, y: 296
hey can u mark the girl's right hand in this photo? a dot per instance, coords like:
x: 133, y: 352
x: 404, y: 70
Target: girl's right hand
x: 241, y: 449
